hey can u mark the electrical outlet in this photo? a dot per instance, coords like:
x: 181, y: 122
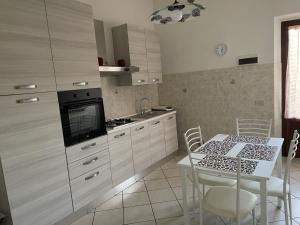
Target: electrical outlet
x: 259, y: 102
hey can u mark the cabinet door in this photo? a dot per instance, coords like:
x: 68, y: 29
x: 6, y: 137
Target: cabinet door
x: 25, y: 53
x: 136, y: 40
x: 140, y: 147
x: 73, y: 44
x: 33, y: 159
x: 157, y: 141
x: 171, y: 134
x: 152, y: 41
x: 140, y: 78
x: 154, y: 62
x: 120, y: 150
x: 155, y: 78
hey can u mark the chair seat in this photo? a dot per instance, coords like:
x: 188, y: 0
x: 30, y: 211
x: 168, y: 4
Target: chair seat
x: 274, y: 185
x: 222, y: 202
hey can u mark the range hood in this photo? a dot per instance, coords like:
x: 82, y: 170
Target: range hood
x: 117, y: 70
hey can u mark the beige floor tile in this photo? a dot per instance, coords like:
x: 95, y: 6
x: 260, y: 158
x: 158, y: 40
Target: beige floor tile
x: 274, y: 214
x: 171, y: 221
x: 144, y: 223
x: 208, y: 219
x: 172, y: 172
x: 113, y: 203
x: 162, y: 195
x: 109, y: 217
x: 138, y: 214
x: 85, y: 220
x: 135, y: 199
x: 175, y: 181
x: 172, y: 164
x: 155, y: 175
x: 297, y: 220
x: 277, y: 223
x: 136, y: 187
x: 296, y: 207
x: 167, y: 210
x: 178, y: 192
x: 157, y: 184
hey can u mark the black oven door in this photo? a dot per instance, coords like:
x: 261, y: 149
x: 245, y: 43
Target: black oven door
x: 82, y: 121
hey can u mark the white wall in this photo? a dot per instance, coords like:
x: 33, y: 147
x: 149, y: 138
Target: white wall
x: 246, y: 26
x: 117, y: 12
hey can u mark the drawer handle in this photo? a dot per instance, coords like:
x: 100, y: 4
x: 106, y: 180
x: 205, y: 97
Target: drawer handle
x: 140, y: 128
x: 27, y: 100
x: 120, y: 135
x: 155, y: 80
x: 92, y: 176
x: 141, y: 81
x: 88, y: 146
x: 80, y: 84
x: 26, y: 86
x: 156, y: 122
x: 90, y: 161
x: 171, y: 117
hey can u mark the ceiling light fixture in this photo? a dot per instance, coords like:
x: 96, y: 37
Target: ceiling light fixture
x: 177, y: 12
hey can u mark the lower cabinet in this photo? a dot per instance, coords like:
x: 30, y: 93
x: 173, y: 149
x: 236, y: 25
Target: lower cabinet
x: 171, y: 134
x: 157, y: 140
x: 120, y: 150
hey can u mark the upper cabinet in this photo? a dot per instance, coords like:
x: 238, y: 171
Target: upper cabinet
x: 25, y: 55
x: 138, y: 47
x: 73, y: 44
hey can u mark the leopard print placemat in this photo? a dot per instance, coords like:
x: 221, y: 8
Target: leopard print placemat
x: 259, y: 152
x: 248, y: 139
x: 216, y: 148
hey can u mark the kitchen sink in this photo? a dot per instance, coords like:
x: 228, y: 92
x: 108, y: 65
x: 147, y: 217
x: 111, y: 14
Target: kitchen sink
x: 148, y: 115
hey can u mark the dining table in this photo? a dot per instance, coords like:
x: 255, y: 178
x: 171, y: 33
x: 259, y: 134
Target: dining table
x: 262, y: 154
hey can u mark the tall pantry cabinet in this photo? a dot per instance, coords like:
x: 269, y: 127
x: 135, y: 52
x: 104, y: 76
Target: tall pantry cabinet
x: 45, y: 46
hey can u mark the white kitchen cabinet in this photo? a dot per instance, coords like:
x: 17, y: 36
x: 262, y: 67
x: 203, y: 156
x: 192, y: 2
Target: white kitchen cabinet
x: 157, y: 140
x: 120, y: 150
x: 140, y: 147
x: 170, y: 131
x: 33, y: 160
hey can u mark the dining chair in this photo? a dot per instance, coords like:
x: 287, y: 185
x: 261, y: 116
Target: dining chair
x: 253, y: 127
x: 231, y: 203
x: 193, y: 140
x: 279, y: 187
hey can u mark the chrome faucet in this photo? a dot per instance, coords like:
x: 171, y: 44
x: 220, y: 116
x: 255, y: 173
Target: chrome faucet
x: 143, y: 109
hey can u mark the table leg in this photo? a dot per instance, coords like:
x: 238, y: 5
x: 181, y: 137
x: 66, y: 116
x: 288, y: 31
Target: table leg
x: 184, y: 196
x: 279, y: 175
x: 263, y: 203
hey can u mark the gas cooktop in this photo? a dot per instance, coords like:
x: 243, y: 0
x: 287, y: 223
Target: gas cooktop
x: 118, y: 122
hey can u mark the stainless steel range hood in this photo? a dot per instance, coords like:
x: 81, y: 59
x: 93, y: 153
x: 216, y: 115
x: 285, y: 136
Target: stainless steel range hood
x: 117, y: 70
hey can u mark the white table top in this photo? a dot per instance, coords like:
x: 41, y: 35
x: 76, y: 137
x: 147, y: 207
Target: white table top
x: 264, y: 168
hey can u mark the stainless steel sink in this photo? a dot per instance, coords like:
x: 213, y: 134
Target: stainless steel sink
x: 148, y: 115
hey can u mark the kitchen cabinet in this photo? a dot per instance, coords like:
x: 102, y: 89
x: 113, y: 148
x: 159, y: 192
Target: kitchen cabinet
x: 157, y: 140
x: 120, y: 150
x: 33, y: 160
x: 73, y: 44
x: 140, y: 147
x: 25, y: 53
x: 170, y: 131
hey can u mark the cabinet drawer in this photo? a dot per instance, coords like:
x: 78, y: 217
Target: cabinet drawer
x: 86, y: 149
x: 140, y: 78
x: 119, y: 136
x: 155, y: 78
x: 82, y: 166
x: 89, y: 186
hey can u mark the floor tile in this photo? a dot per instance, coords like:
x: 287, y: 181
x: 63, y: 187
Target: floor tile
x: 162, y: 195
x: 171, y: 221
x: 172, y: 164
x: 274, y: 214
x: 136, y: 187
x: 167, y: 210
x: 138, y: 214
x: 297, y: 220
x: 109, y: 217
x: 85, y: 220
x: 178, y: 192
x: 144, y: 223
x: 296, y: 207
x: 154, y: 175
x: 175, y: 181
x: 113, y: 203
x: 172, y: 172
x: 135, y: 199
x: 157, y: 184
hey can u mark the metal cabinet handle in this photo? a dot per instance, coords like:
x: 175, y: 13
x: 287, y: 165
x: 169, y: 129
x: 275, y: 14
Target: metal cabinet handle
x: 155, y: 80
x: 140, y: 128
x: 120, y: 135
x: 80, y: 83
x: 27, y: 100
x: 140, y: 81
x: 90, y: 161
x: 156, y: 122
x: 92, y: 176
x: 26, y: 86
x: 88, y: 146
x: 171, y: 117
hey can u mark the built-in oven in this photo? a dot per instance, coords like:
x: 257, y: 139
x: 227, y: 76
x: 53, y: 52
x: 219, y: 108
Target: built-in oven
x: 82, y: 115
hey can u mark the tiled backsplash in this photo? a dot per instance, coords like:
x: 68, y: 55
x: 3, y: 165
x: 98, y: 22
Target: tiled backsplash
x: 122, y: 101
x: 214, y: 98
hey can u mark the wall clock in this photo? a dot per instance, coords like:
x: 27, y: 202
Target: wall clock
x: 221, y: 49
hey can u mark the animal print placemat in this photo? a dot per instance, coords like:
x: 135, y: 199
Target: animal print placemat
x: 227, y: 164
x: 216, y: 148
x: 248, y: 139
x: 259, y: 152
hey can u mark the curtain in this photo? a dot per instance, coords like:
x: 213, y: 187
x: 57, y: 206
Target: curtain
x: 292, y: 109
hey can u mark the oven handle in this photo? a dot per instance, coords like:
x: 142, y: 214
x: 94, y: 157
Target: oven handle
x: 80, y: 84
x: 86, y: 147
x: 90, y: 161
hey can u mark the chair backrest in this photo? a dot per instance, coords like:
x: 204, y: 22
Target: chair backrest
x: 219, y: 173
x: 253, y: 127
x: 291, y: 155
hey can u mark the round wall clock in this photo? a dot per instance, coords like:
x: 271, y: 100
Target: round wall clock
x: 221, y: 49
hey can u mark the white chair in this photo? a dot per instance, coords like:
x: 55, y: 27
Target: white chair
x: 193, y: 139
x: 276, y: 186
x: 227, y: 202
x: 253, y: 127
